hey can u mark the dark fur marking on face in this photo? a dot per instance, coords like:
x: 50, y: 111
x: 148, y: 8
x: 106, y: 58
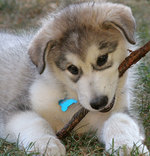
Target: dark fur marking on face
x: 74, y: 40
x: 61, y: 62
x: 101, y: 68
x: 109, y: 46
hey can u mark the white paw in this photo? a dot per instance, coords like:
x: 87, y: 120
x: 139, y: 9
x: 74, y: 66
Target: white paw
x: 50, y: 146
x: 126, y: 134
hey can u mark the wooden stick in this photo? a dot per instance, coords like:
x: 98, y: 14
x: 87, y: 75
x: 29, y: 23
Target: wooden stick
x: 77, y: 117
x: 133, y: 58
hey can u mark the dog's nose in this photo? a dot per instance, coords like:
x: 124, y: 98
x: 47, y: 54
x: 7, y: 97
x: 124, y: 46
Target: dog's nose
x: 99, y: 102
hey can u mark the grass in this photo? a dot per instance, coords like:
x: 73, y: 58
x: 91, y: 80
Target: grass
x: 88, y: 145
x: 16, y: 14
x: 143, y: 84
x: 84, y: 145
x: 12, y: 149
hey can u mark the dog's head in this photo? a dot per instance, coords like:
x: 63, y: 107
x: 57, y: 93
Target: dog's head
x: 83, y: 45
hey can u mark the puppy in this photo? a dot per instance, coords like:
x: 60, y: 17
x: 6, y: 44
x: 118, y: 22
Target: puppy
x: 75, y: 54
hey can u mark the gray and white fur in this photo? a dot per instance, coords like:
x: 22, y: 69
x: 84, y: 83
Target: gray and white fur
x: 75, y: 54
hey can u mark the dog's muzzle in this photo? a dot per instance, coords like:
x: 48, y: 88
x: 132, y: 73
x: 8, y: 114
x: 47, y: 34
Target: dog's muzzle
x: 108, y: 108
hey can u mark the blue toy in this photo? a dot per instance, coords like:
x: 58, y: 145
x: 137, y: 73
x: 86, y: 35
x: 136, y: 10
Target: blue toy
x: 65, y: 103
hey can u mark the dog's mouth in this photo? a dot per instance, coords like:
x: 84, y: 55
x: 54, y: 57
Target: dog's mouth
x: 109, y: 107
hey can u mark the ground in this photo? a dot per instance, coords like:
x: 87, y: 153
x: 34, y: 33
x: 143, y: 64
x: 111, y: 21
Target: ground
x: 24, y: 14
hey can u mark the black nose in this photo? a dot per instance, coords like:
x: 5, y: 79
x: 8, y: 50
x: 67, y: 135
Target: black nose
x: 99, y: 102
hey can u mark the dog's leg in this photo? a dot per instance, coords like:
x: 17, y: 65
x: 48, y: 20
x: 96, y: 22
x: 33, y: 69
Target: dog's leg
x: 29, y: 127
x: 120, y: 130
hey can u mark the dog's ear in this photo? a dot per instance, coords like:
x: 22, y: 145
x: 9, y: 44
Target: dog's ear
x: 122, y: 19
x: 38, y: 52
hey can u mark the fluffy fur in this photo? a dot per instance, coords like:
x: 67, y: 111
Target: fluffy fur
x: 35, y: 75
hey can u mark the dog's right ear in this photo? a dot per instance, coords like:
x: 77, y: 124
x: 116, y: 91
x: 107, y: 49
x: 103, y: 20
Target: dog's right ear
x: 120, y: 17
x: 38, y: 52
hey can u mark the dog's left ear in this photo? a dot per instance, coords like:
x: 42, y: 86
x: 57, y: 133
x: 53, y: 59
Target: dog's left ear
x: 38, y: 52
x: 121, y: 18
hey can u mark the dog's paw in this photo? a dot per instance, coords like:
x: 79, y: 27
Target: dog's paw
x: 121, y: 135
x: 50, y: 146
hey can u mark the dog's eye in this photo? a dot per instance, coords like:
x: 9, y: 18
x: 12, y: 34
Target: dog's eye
x: 102, y: 60
x: 73, y: 69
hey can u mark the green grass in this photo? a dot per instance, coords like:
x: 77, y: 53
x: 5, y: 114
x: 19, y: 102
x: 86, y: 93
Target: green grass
x: 12, y: 149
x: 16, y: 14
x: 88, y: 145
x: 143, y: 94
x: 76, y: 145
x: 82, y: 144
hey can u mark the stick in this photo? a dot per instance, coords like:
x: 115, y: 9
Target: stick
x: 133, y: 58
x: 77, y: 117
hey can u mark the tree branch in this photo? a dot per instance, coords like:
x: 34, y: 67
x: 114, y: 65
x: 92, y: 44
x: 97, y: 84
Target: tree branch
x: 77, y: 117
x: 133, y: 58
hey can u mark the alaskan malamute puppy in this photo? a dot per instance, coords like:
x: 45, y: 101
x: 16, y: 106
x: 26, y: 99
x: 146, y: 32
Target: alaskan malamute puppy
x: 75, y: 54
